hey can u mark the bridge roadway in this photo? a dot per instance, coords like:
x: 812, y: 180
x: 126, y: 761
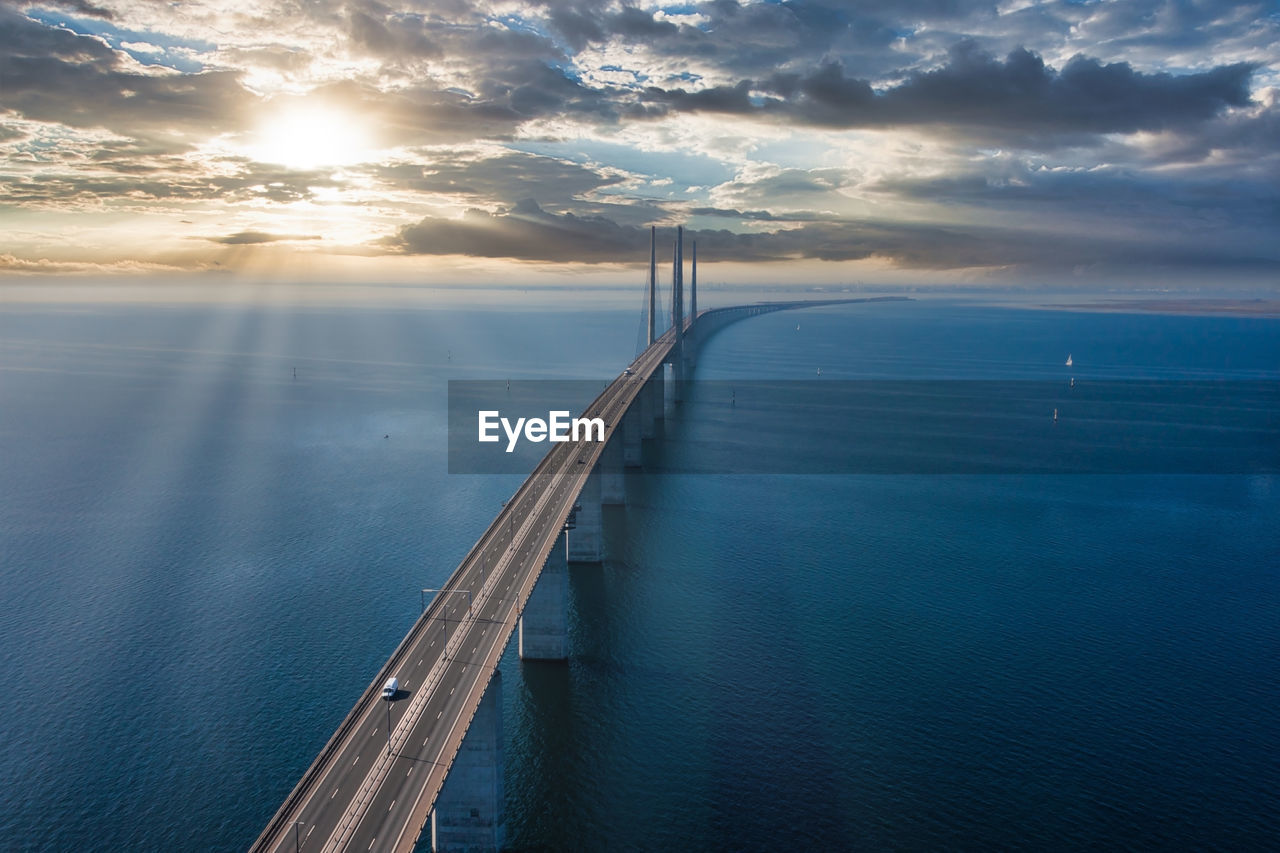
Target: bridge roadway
x: 358, y: 796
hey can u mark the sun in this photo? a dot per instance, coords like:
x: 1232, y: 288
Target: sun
x: 307, y: 137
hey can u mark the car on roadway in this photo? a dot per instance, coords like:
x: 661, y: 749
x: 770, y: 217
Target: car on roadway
x: 391, y: 688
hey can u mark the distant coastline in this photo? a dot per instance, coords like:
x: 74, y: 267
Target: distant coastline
x: 1199, y: 307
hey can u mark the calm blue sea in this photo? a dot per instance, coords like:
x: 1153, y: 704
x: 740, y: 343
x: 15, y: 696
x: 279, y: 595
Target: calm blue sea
x: 204, y: 560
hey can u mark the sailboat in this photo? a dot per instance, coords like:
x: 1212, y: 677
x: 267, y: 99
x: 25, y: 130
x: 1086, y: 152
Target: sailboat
x: 1055, y: 416
x: 1068, y: 359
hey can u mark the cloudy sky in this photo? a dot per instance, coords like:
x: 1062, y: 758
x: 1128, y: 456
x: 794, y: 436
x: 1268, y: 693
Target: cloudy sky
x: 1015, y: 141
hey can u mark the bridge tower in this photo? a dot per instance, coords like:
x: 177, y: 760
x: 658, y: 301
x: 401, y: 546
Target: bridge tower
x: 693, y: 284
x: 653, y: 278
x: 677, y: 284
x: 692, y: 352
x: 677, y: 317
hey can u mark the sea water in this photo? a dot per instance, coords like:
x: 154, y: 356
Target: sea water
x: 204, y: 560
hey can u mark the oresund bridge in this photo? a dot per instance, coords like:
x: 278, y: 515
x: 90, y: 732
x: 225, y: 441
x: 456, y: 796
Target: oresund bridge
x: 426, y: 765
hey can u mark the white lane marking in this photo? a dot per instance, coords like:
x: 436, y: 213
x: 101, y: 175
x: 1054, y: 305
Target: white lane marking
x: 353, y: 764
x: 309, y: 831
x: 392, y: 806
x: 335, y: 790
x: 371, y: 843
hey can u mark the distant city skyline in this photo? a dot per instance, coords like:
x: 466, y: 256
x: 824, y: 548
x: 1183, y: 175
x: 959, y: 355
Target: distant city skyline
x: 1029, y: 143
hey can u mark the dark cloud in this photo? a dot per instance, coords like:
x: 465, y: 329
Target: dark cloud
x: 76, y: 7
x: 500, y: 76
x: 715, y: 99
x: 166, y: 179
x: 1097, y: 189
x: 1023, y: 94
x: 378, y: 30
x: 749, y: 215
x: 737, y: 37
x: 524, y: 232
x: 801, y: 182
x: 578, y: 21
x: 252, y: 238
x: 1244, y: 140
x: 1157, y: 28
x: 528, y: 233
x: 53, y: 74
x: 633, y: 23
x: 505, y: 178
x: 1020, y: 98
x: 276, y: 57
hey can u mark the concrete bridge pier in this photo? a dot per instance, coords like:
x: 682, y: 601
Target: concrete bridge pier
x: 469, y: 814
x: 645, y: 401
x: 632, y: 449
x: 613, y: 485
x: 659, y: 392
x: 544, y: 622
x: 586, y: 540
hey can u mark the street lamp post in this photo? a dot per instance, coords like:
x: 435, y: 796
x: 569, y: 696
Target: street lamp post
x: 446, y: 609
x: 297, y: 843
